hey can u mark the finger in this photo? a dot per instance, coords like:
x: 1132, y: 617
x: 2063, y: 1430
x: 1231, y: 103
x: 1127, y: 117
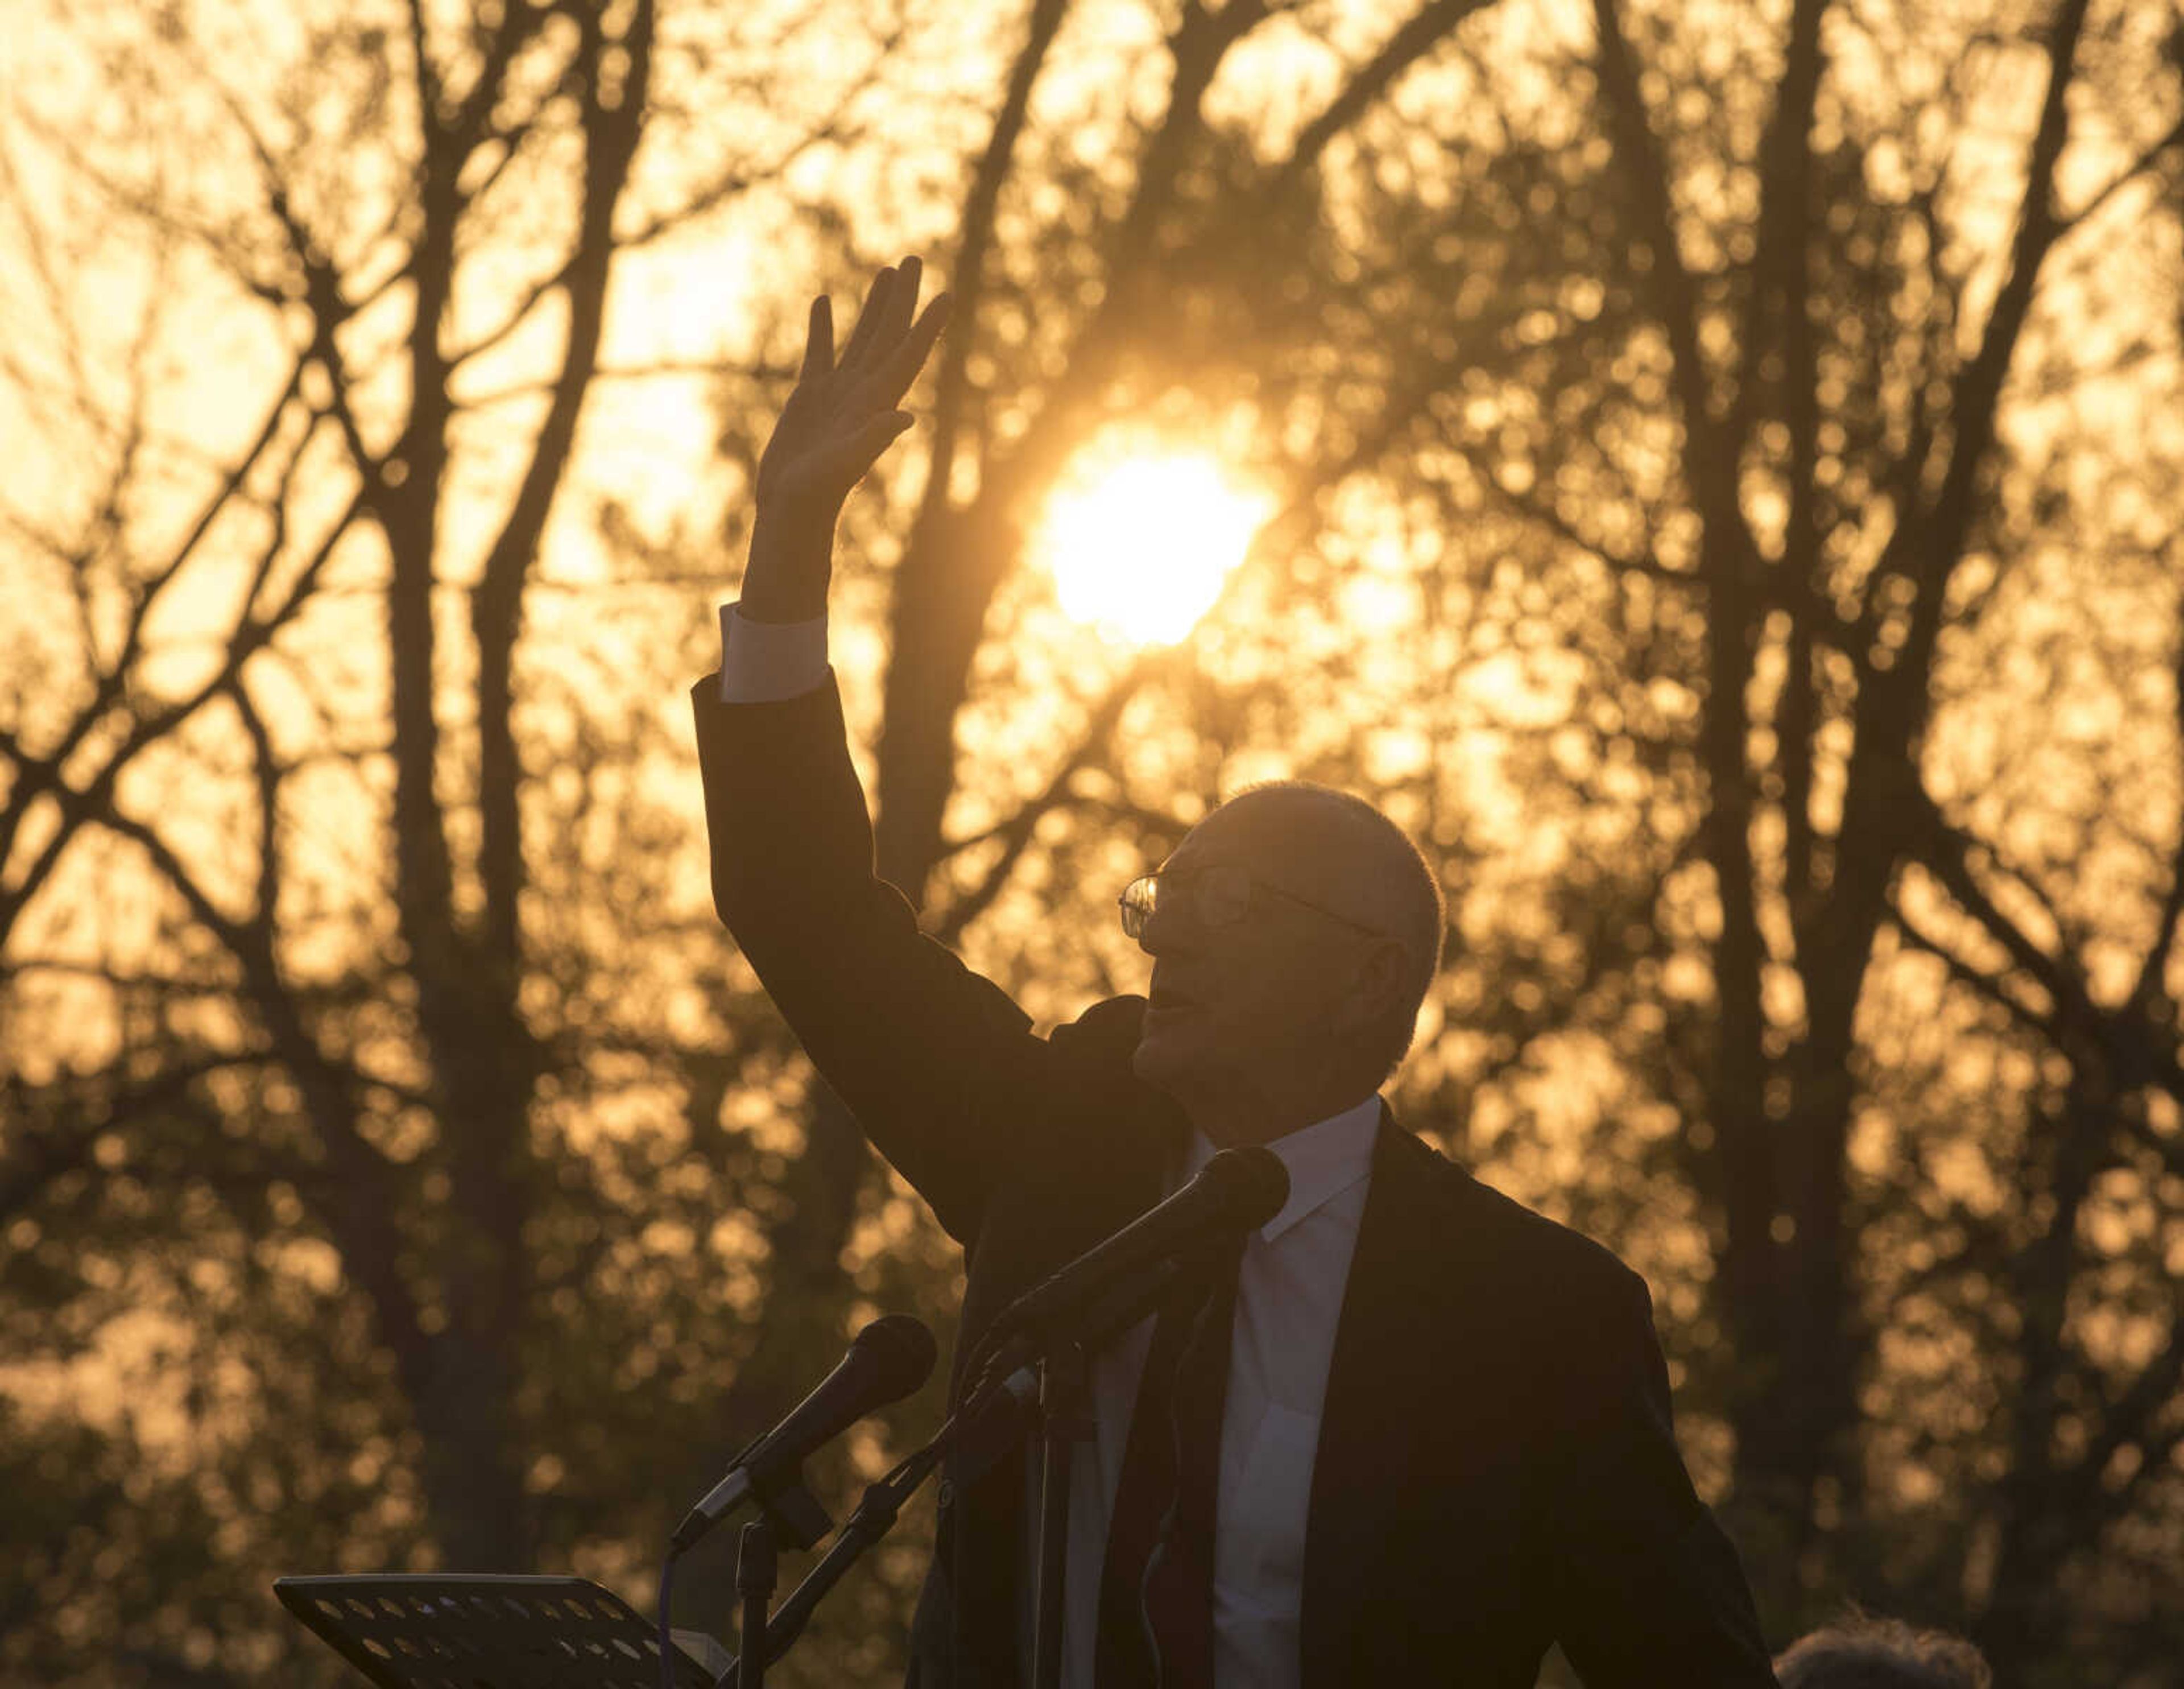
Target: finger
x: 818, y: 342
x: 901, y: 370
x: 902, y: 304
x: 890, y: 316
x: 868, y: 320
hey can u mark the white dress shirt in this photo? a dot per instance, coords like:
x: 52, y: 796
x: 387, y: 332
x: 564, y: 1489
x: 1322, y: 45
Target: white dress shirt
x: 764, y: 662
x: 1289, y: 1298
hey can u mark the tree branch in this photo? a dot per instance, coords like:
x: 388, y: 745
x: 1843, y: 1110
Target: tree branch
x: 1940, y: 534
x: 1416, y: 38
x: 1711, y: 458
x: 611, y: 130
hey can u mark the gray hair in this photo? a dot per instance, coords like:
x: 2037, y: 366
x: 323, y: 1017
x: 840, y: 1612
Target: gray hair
x: 1860, y: 1650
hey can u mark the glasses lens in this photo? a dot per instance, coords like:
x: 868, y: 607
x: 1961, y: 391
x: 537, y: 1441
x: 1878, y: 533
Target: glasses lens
x: 1136, y: 904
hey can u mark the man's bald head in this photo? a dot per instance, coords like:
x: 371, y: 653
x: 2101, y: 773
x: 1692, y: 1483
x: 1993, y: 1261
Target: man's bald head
x: 1338, y: 850
x: 1293, y: 933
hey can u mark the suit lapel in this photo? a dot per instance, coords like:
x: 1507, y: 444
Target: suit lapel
x: 1390, y: 1369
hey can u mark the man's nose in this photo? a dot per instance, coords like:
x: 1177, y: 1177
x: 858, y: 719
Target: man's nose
x: 1164, y: 924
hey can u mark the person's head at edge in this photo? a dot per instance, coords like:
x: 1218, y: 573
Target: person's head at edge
x: 1294, y: 936
x: 1862, y: 1652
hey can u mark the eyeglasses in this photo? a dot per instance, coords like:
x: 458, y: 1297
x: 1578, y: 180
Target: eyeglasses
x: 1218, y: 896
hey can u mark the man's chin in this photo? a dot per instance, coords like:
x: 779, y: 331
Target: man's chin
x: 1158, y: 1063
x: 1180, y: 1053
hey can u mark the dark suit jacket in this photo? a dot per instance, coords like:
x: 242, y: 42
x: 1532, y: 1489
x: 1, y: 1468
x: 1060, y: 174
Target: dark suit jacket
x: 1497, y: 1469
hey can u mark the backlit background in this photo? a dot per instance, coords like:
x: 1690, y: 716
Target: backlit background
x: 1712, y: 471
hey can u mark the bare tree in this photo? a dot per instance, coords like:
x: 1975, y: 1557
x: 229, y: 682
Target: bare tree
x: 1739, y: 390
x: 1687, y: 426
x: 385, y: 933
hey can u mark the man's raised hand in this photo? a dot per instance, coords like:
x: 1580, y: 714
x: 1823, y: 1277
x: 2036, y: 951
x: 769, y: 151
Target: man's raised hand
x: 841, y: 415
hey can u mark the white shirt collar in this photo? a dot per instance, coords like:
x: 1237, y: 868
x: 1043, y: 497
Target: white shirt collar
x: 1324, y: 1159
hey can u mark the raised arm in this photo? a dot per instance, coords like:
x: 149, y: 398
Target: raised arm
x: 915, y: 1043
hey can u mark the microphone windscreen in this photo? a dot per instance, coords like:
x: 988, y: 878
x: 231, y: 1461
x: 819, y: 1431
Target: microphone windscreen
x: 903, y: 1351
x: 1254, y: 1179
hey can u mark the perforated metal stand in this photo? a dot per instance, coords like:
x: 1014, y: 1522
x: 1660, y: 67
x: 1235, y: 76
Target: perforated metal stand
x: 477, y: 1631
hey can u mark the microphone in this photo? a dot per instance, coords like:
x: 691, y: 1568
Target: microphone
x: 887, y: 1361
x: 1236, y: 1191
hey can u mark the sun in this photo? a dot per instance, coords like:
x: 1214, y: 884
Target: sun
x: 1139, y: 547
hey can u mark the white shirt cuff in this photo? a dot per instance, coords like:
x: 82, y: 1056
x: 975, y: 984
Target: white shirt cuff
x: 764, y: 662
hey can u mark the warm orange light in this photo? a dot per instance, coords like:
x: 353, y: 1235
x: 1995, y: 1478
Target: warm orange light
x: 1138, y: 548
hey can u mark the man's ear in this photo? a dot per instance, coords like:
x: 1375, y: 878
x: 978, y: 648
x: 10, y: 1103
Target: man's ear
x: 1381, y: 981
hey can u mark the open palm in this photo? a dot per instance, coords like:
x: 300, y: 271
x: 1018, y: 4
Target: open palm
x: 843, y: 414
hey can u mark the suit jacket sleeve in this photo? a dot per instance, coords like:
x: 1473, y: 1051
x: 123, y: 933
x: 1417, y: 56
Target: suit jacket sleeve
x: 920, y: 1048
x: 1649, y: 1588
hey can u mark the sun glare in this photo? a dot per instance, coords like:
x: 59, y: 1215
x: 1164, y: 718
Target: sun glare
x: 1139, y: 549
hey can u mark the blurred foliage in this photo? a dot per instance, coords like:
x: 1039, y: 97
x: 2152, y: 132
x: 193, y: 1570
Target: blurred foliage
x: 1727, y: 459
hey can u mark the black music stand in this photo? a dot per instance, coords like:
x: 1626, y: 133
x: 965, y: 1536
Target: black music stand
x: 481, y: 1631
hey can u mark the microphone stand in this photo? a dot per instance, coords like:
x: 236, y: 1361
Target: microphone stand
x: 1065, y: 1379
x: 758, y: 1572
x: 874, y: 1518
x: 1064, y: 1364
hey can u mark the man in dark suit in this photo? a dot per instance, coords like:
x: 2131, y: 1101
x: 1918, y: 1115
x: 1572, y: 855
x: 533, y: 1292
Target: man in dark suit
x: 1414, y: 1433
